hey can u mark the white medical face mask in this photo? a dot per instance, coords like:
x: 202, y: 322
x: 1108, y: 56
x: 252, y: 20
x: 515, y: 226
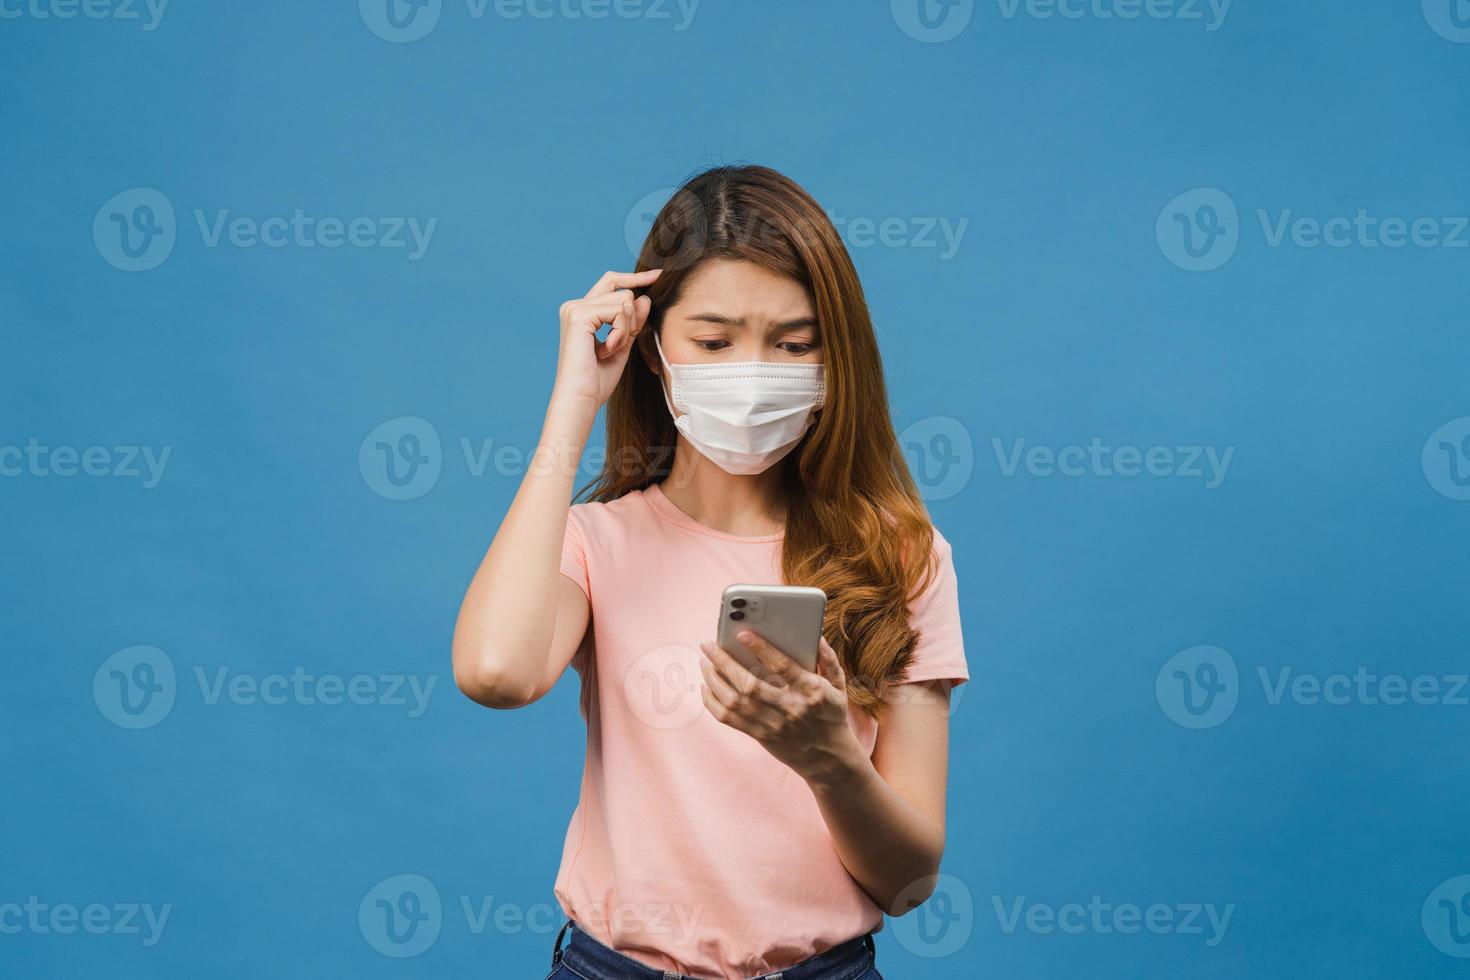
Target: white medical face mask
x: 744, y: 417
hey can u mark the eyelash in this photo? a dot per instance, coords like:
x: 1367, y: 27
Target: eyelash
x: 715, y: 346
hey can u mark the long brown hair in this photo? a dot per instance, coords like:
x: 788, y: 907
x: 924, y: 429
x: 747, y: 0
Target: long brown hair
x: 855, y: 524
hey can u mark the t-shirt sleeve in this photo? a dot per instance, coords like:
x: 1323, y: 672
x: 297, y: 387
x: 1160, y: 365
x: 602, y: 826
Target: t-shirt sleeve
x: 574, y: 552
x: 940, y: 653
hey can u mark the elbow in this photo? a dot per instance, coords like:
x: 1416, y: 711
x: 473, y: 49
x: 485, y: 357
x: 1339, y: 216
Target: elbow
x: 490, y: 685
x: 915, y: 893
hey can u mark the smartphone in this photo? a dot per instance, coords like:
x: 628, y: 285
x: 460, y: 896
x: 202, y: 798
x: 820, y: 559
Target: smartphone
x: 789, y: 617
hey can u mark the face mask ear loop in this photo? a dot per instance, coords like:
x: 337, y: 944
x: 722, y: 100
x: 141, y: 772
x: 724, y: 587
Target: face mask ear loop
x: 669, y: 372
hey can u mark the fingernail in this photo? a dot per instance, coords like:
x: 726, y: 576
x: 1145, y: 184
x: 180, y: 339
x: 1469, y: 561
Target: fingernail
x: 746, y: 636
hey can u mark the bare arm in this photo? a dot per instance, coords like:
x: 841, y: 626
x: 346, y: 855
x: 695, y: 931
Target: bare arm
x: 522, y: 620
x: 885, y: 814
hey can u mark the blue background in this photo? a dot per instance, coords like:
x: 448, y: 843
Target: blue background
x: 266, y: 546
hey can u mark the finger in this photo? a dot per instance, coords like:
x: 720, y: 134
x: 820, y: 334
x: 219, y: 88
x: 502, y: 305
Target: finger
x: 622, y: 280
x: 760, y: 718
x: 773, y: 659
x: 732, y: 670
x: 719, y: 687
x: 724, y: 715
x: 589, y: 314
x: 829, y: 666
x: 630, y: 318
x: 622, y: 330
x: 741, y: 679
x: 642, y: 306
x: 623, y: 321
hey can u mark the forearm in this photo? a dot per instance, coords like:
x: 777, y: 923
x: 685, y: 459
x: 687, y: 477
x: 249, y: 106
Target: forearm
x: 508, y: 617
x: 886, y: 843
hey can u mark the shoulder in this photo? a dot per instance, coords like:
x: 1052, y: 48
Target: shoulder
x: 938, y: 576
x: 943, y: 551
x: 912, y: 528
x: 601, y: 520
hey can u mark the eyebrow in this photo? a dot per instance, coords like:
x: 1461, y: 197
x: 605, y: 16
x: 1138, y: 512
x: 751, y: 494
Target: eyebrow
x: 785, y: 325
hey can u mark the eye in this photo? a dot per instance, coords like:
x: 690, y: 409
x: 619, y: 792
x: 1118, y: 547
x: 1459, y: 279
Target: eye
x: 711, y: 346
x: 796, y: 348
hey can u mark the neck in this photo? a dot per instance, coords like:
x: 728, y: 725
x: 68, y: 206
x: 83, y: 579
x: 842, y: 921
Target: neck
x: 748, y: 506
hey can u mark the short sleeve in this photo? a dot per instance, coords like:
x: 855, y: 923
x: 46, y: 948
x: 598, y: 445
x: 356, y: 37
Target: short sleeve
x: 574, y: 553
x: 940, y: 653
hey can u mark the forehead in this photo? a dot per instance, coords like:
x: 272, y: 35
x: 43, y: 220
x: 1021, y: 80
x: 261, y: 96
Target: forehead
x: 736, y: 288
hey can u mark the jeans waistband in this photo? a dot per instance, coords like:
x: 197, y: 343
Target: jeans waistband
x: 594, y: 961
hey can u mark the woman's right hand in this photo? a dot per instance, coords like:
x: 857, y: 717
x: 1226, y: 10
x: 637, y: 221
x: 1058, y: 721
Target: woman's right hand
x: 588, y: 368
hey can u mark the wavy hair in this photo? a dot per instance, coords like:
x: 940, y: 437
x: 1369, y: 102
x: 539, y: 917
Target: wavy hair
x: 855, y: 524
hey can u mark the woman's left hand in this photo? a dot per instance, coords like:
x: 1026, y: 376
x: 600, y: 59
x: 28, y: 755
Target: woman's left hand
x: 799, y: 715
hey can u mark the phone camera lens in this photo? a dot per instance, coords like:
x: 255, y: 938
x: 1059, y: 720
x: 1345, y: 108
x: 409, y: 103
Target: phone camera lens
x: 738, y: 603
x: 737, y: 615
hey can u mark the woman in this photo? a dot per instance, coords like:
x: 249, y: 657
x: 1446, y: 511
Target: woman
x: 730, y: 825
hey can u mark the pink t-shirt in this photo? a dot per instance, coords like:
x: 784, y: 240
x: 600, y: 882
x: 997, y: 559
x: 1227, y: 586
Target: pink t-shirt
x: 693, y: 849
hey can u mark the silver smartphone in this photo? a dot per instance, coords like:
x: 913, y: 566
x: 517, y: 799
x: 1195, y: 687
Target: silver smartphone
x: 789, y: 617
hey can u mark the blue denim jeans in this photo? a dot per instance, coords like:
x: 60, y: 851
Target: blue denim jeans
x: 587, y: 959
